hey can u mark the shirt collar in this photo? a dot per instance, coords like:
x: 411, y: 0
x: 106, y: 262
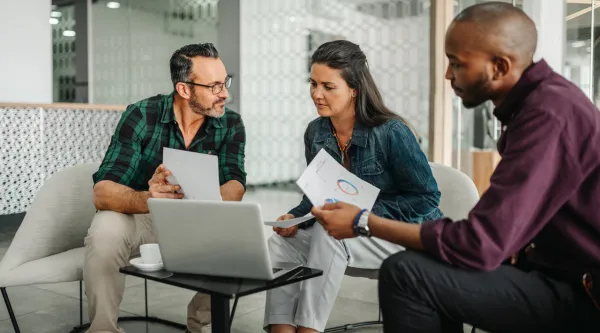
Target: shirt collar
x: 530, y: 79
x: 168, y: 113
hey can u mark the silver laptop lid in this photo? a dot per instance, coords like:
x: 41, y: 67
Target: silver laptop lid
x: 211, y: 238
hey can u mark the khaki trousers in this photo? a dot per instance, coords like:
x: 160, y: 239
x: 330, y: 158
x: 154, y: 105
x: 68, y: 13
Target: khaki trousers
x: 112, y: 239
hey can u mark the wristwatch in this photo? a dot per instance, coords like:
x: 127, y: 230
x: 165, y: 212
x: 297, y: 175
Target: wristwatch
x: 361, y: 226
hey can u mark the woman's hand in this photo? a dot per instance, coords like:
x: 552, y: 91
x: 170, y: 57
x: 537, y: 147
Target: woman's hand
x: 286, y: 232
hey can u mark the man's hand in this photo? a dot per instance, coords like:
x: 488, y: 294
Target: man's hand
x: 337, y: 218
x: 514, y: 259
x: 160, y: 187
x: 286, y: 232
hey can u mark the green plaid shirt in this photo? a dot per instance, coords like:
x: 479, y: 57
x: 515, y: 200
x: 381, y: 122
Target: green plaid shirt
x: 136, y: 148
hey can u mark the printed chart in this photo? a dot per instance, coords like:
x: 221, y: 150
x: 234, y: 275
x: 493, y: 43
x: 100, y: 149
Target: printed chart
x: 347, y: 187
x: 326, y: 179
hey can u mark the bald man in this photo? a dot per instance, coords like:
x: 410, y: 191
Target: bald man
x: 525, y: 258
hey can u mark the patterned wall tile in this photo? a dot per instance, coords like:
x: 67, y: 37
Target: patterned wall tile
x: 75, y: 136
x: 20, y: 157
x: 38, y: 142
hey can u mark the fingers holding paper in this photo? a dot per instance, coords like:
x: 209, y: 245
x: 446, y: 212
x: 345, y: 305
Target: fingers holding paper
x: 159, y: 169
x: 165, y: 191
x: 160, y: 186
x: 337, y: 219
x: 286, y: 232
x: 160, y: 176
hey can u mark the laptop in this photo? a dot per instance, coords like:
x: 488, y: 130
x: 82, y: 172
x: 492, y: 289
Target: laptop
x: 215, y: 238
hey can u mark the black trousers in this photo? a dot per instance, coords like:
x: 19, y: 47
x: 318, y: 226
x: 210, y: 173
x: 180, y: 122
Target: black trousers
x: 418, y: 293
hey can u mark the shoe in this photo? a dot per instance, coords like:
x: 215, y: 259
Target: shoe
x: 204, y: 329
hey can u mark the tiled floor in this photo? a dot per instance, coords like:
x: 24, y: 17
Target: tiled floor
x: 54, y: 308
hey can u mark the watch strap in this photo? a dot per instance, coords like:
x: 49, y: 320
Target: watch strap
x: 358, y: 226
x: 358, y: 217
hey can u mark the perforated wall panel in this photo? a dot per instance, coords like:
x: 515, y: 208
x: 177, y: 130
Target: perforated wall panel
x: 20, y: 157
x: 37, y: 142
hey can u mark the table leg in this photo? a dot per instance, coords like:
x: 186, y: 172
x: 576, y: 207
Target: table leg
x: 220, y: 314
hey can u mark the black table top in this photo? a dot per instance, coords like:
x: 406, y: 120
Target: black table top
x: 222, y: 286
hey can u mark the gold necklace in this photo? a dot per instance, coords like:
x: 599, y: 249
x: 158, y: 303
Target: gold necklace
x: 343, y: 149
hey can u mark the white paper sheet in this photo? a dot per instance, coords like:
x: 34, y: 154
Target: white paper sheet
x: 196, y: 173
x: 325, y: 178
x: 288, y: 223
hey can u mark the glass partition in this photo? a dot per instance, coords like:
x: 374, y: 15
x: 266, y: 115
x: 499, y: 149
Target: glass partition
x: 62, y: 19
x: 579, y: 63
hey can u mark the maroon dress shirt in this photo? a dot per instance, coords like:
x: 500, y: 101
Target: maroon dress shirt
x: 545, y: 190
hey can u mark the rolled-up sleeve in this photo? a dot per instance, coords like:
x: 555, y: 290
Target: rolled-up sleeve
x: 122, y: 158
x: 232, y: 154
x: 534, y: 179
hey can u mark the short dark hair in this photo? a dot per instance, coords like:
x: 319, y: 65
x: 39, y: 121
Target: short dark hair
x: 181, y: 60
x: 507, y: 21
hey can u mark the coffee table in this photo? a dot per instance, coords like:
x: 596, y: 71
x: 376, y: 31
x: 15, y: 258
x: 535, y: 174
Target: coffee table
x: 221, y: 289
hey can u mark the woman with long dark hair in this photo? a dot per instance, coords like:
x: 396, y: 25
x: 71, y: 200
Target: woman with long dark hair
x: 375, y: 144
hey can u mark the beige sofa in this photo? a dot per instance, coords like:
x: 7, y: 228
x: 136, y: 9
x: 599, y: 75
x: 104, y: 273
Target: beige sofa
x: 48, y: 246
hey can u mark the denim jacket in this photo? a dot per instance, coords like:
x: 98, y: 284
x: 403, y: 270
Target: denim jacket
x: 387, y: 156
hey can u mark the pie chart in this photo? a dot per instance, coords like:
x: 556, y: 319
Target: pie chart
x: 347, y: 187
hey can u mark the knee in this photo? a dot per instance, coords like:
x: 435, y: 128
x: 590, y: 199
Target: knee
x: 321, y: 235
x: 401, y: 268
x: 274, y: 241
x: 108, y: 233
x: 326, y: 244
x: 277, y: 247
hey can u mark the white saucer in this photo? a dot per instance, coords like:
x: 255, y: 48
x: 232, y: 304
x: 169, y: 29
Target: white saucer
x: 139, y: 264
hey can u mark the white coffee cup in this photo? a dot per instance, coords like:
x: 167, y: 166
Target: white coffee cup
x: 150, y: 254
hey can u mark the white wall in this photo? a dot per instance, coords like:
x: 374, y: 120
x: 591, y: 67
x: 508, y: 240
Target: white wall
x: 549, y: 18
x: 25, y: 52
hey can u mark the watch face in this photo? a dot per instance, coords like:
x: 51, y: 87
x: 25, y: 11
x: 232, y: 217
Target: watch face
x: 363, y: 232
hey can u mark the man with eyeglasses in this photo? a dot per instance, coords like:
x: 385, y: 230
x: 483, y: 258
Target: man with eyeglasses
x: 193, y: 118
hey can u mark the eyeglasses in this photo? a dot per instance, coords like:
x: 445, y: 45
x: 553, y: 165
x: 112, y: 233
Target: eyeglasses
x: 217, y: 87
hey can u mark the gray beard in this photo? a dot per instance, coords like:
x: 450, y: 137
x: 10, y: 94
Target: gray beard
x: 198, y: 108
